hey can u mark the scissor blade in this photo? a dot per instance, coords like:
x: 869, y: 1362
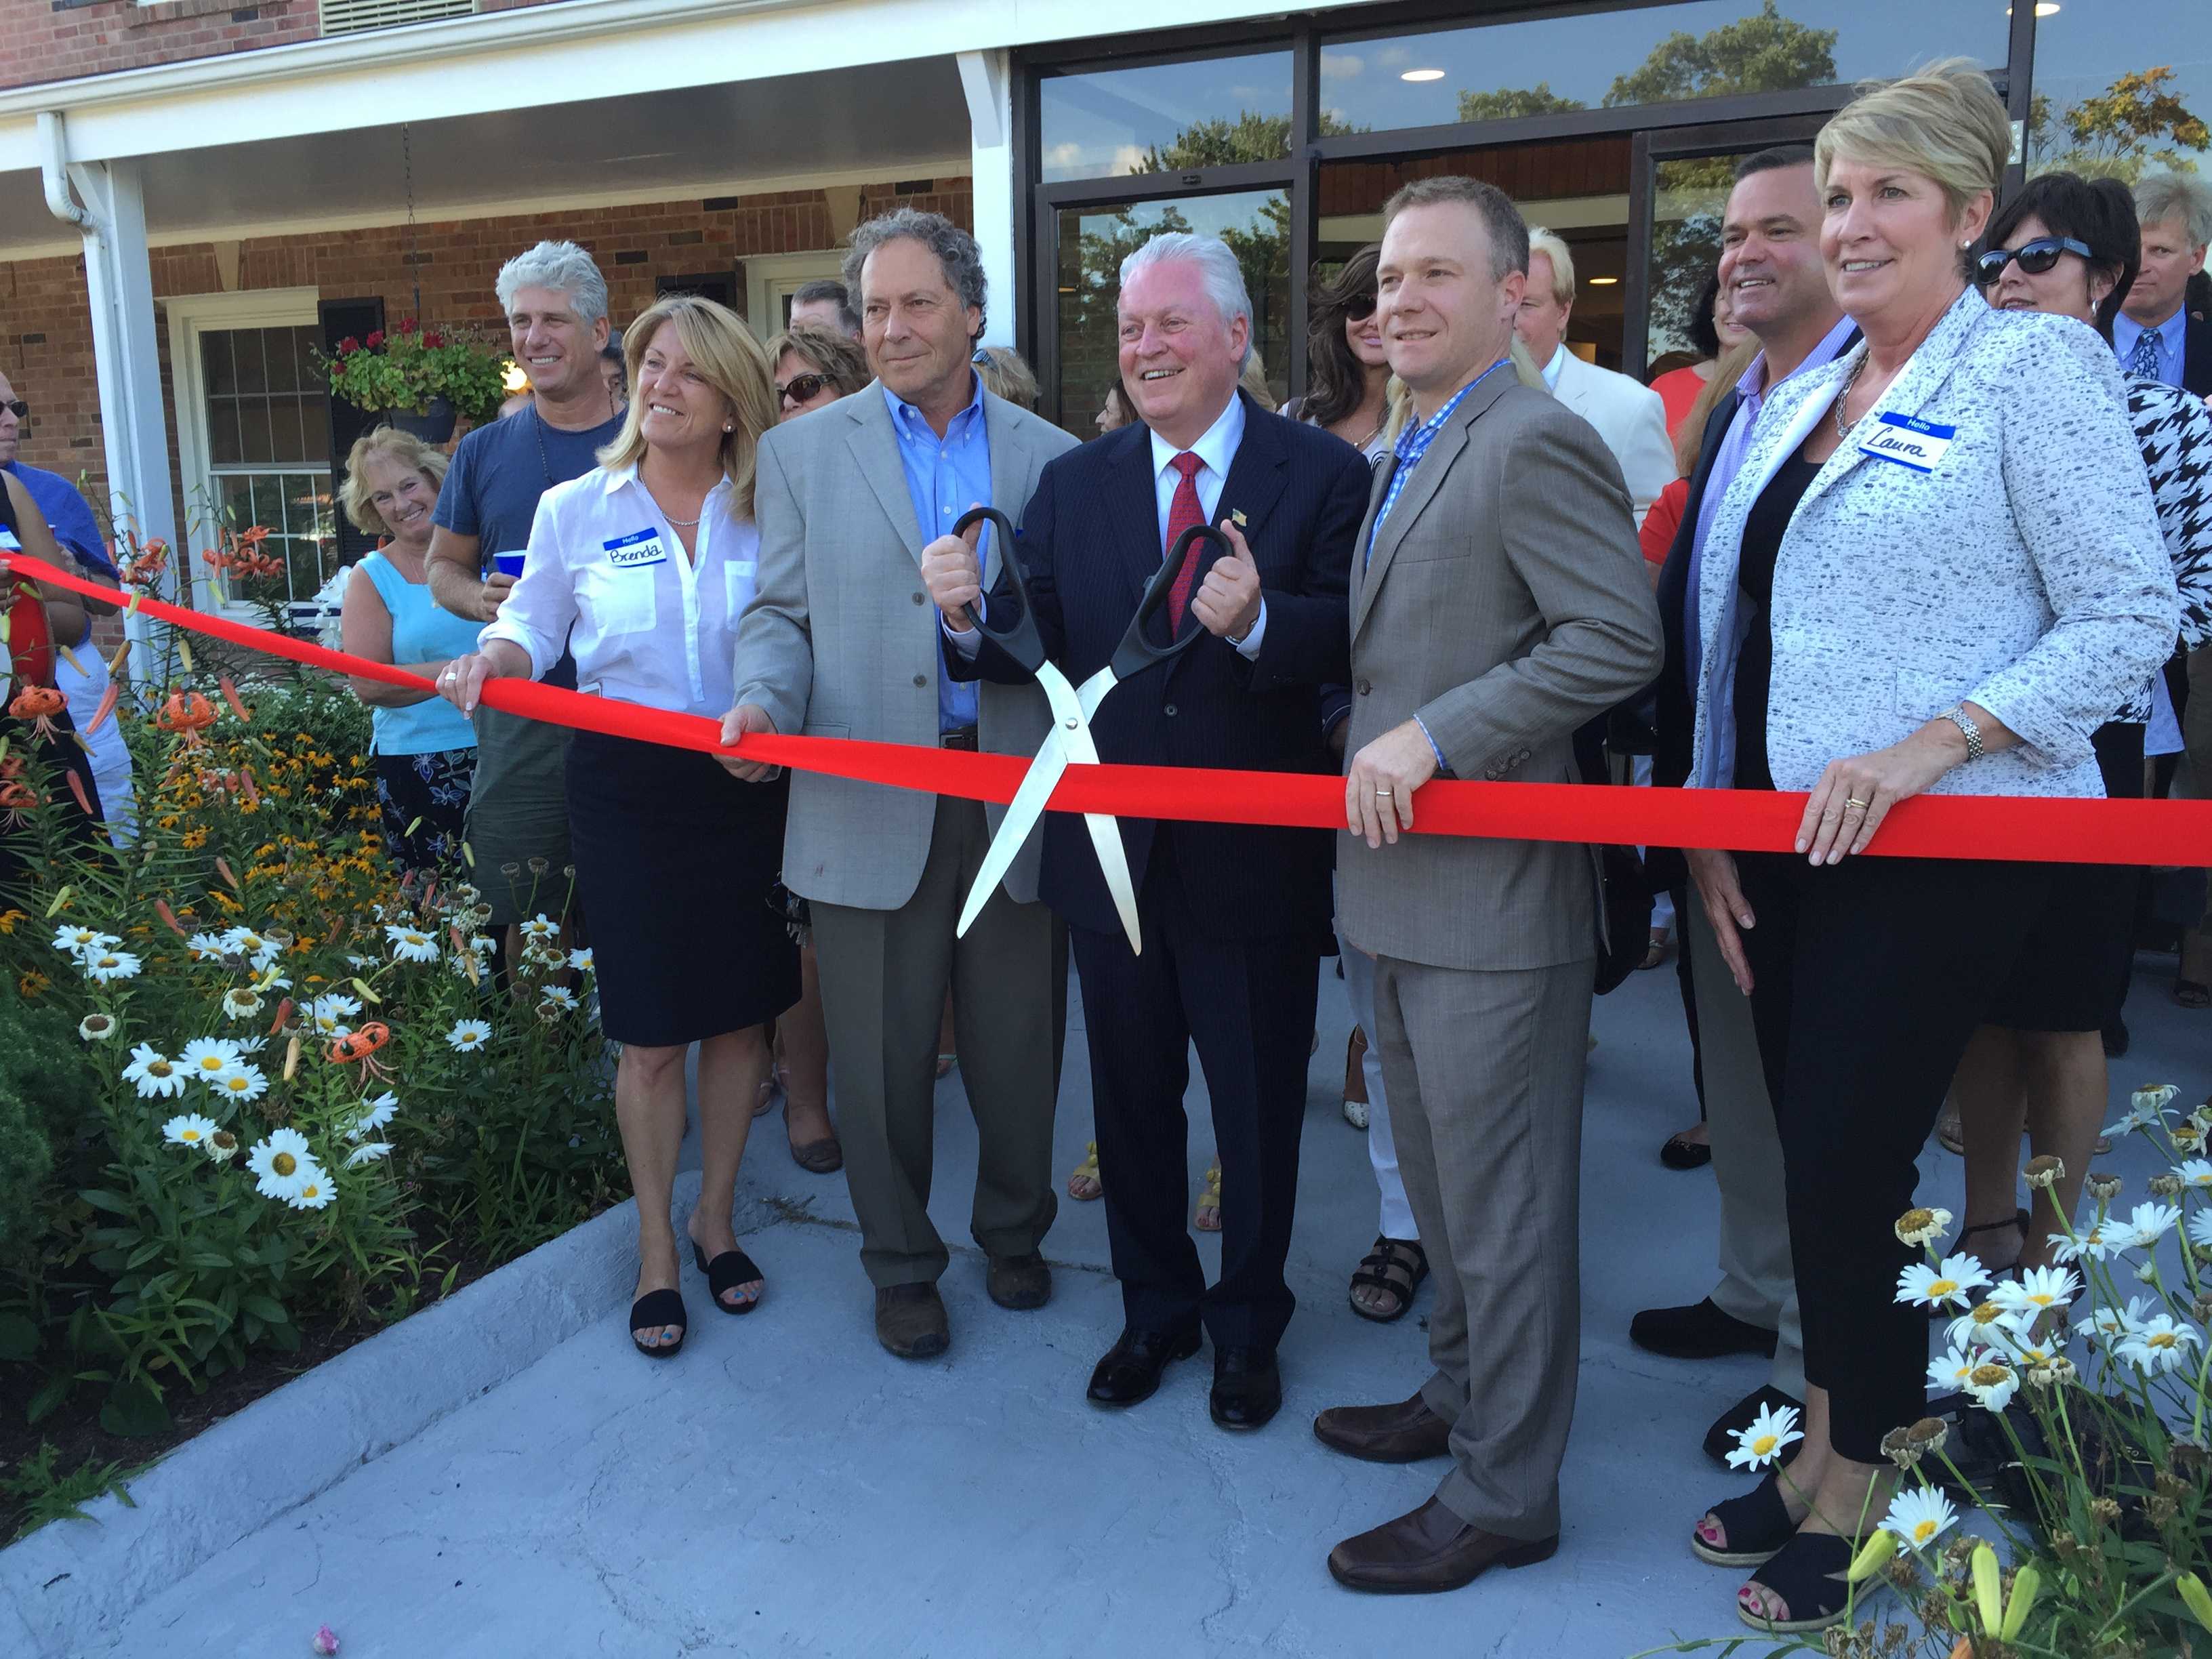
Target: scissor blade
x: 1021, y: 815
x: 1105, y: 831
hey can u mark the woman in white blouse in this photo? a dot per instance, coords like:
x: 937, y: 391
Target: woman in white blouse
x: 1938, y: 570
x: 641, y: 568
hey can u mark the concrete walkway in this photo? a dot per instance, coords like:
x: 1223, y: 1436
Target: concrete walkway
x: 785, y: 1487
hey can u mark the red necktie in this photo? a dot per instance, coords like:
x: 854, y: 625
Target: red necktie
x: 1183, y: 513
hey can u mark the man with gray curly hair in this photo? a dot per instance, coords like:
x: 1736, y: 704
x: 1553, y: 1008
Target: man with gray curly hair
x: 2154, y: 334
x: 555, y: 304
x: 841, y: 640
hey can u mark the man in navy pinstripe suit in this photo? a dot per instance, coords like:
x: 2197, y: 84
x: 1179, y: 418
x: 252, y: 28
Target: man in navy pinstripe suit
x: 1235, y: 919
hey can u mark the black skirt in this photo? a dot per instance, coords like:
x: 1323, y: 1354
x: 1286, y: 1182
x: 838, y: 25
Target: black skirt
x: 675, y: 864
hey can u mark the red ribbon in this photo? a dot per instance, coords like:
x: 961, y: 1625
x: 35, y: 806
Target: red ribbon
x: 2004, y: 827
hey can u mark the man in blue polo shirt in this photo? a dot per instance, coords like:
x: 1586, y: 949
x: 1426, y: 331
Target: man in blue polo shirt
x: 83, y: 681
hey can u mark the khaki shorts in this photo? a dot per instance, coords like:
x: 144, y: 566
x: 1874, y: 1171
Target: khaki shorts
x: 517, y: 828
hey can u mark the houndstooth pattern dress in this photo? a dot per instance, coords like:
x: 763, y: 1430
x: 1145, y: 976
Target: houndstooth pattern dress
x: 2174, y: 429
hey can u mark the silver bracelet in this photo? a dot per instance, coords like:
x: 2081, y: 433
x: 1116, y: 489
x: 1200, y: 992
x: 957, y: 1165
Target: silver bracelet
x: 1958, y: 716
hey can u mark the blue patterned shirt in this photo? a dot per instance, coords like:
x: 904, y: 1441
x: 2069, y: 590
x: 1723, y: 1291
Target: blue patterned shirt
x: 1413, y: 443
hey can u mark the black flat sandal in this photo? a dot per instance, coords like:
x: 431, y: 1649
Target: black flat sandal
x: 726, y: 1273
x: 2021, y: 1220
x: 1756, y: 1525
x: 650, y: 1312
x: 1676, y: 1153
x: 1395, y: 1265
x: 1807, y: 1574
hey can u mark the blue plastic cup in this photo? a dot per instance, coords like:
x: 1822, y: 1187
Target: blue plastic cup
x: 509, y: 564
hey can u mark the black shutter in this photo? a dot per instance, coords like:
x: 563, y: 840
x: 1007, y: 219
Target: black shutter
x: 720, y: 286
x: 339, y: 319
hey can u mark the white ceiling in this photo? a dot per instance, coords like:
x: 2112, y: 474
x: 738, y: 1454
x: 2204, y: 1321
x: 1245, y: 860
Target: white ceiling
x: 865, y: 123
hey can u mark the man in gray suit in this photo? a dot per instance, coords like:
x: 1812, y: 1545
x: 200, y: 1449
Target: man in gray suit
x: 841, y: 641
x: 1497, y: 604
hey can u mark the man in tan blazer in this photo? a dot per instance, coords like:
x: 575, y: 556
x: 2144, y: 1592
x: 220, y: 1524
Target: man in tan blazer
x: 841, y: 641
x: 1497, y: 604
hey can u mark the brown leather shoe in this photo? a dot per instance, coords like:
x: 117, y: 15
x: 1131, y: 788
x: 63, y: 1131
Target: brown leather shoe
x: 1430, y: 1549
x: 910, y: 1320
x: 1403, y: 1433
x: 1019, y: 1282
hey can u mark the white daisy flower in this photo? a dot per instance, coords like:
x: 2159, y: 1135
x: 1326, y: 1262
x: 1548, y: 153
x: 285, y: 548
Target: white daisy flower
x: 336, y: 1006
x: 1984, y: 1325
x: 97, y: 1028
x: 257, y: 949
x: 2026, y: 1352
x: 367, y: 1154
x: 189, y: 1130
x: 240, y: 1005
x: 2195, y: 1172
x: 2200, y: 1230
x: 208, y: 1058
x: 2147, y: 1225
x: 360, y: 964
x: 540, y: 926
x: 107, y: 966
x: 558, y: 997
x: 205, y: 947
x: 281, y: 1163
x: 376, y: 1114
x: 2113, y: 1324
x: 483, y: 944
x: 1920, y: 1516
x: 1919, y: 1227
x: 2036, y: 1290
x: 242, y: 1082
x: 580, y: 961
x: 411, y: 944
x: 1943, y: 1286
x: 314, y: 1191
x: 468, y: 1036
x: 2092, y: 1242
x: 2159, y: 1344
x: 1763, y: 1441
x: 154, y: 1073
x: 2187, y: 1136
x: 83, y: 941
x: 1993, y: 1383
x: 1952, y: 1371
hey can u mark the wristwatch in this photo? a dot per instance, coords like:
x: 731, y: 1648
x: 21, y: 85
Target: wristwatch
x: 1957, y: 714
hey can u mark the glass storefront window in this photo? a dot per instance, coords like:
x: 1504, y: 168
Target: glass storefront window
x: 1652, y: 54
x: 1688, y: 200
x: 1166, y: 117
x: 1093, y: 242
x: 2122, y: 94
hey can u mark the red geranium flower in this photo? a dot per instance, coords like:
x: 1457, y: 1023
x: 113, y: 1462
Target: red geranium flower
x: 375, y: 340
x: 347, y: 347
x: 433, y: 341
x: 407, y: 326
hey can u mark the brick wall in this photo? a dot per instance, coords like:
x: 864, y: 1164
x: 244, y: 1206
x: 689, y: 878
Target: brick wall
x: 45, y: 331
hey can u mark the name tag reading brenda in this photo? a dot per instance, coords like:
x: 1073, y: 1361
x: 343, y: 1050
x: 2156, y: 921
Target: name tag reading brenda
x: 1920, y: 445
x: 638, y: 548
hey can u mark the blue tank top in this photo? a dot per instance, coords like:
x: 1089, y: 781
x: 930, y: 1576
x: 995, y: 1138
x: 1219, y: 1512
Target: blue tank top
x: 421, y: 632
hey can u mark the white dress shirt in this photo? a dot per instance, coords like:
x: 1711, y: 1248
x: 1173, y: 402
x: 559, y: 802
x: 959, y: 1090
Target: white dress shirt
x: 606, y: 575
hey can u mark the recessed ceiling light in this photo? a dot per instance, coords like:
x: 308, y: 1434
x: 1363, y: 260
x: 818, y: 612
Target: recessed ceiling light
x: 2043, y: 8
x: 1602, y: 282
x: 1423, y: 74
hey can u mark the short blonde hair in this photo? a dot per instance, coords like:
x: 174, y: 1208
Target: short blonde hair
x: 402, y: 446
x: 1254, y: 380
x: 1005, y: 376
x: 723, y: 351
x: 1945, y: 121
x: 837, y: 356
x: 1549, y: 244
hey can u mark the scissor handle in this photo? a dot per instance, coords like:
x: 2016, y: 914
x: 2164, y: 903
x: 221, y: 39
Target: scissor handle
x: 1016, y: 634
x: 1137, y: 651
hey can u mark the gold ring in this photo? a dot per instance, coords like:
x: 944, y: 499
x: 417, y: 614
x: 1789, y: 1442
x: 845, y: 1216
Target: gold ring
x: 1856, y: 801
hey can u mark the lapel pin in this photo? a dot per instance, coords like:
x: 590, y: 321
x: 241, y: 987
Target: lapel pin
x: 1237, y: 518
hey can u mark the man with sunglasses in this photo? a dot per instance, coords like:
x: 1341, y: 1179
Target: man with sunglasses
x: 83, y: 681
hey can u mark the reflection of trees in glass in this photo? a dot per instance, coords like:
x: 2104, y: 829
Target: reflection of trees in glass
x: 1222, y: 142
x: 1767, y: 52
x: 2138, y: 124
x: 1685, y: 246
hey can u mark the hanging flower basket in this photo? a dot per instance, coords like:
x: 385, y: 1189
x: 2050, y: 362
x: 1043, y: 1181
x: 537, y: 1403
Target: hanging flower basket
x: 420, y: 380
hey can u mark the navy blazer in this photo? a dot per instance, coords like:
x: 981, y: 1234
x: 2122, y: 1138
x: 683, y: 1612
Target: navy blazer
x: 1089, y: 541
x: 2196, y: 356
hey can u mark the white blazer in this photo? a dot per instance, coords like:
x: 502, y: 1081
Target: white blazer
x: 1631, y: 419
x: 2024, y: 571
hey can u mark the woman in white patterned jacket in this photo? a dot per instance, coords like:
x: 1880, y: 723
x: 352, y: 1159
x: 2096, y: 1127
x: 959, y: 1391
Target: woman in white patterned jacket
x: 1938, y: 570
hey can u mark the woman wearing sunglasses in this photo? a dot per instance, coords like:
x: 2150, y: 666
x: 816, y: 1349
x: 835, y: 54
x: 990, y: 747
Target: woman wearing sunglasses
x: 2070, y: 246
x: 1346, y: 372
x: 814, y: 367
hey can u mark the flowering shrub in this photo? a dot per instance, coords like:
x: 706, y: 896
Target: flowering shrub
x: 2081, y: 1447
x: 408, y: 368
x: 294, y: 1092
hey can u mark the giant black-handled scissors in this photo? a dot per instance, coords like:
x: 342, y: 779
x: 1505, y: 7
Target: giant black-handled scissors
x: 1070, y: 738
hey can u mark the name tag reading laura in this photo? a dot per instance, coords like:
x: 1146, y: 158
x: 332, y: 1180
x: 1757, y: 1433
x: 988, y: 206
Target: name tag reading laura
x: 1920, y: 445
x: 638, y: 548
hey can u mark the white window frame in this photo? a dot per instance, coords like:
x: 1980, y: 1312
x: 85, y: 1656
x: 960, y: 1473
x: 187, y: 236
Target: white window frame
x: 190, y: 316
x: 770, y: 277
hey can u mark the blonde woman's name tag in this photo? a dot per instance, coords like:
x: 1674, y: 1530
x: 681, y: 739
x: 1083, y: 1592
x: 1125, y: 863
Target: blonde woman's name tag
x: 639, y: 547
x: 1918, y: 444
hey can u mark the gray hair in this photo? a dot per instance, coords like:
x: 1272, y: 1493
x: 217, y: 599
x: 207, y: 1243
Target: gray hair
x: 2163, y: 196
x: 1216, y: 265
x: 956, y: 250
x: 564, y: 268
x: 1508, y: 231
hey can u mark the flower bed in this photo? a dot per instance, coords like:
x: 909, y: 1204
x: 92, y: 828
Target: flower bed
x: 258, y: 1095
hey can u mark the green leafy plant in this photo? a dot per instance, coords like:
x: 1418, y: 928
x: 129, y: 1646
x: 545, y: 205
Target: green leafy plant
x: 411, y: 368
x: 45, y: 1493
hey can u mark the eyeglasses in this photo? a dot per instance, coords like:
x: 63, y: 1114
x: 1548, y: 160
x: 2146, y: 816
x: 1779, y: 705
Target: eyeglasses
x: 983, y: 357
x: 802, y: 388
x: 17, y: 407
x: 1359, y: 307
x: 2035, y: 258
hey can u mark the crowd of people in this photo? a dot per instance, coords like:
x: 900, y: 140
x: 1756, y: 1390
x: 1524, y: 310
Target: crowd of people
x: 1926, y: 514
